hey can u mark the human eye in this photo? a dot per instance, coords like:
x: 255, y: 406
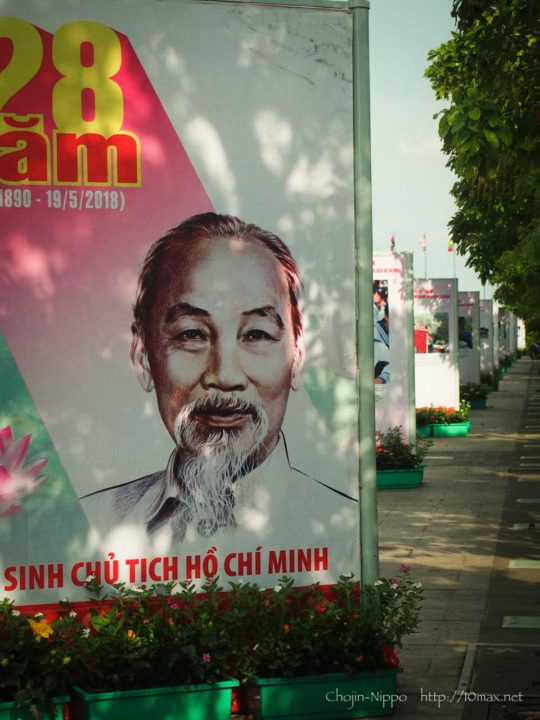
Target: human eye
x: 190, y: 338
x: 191, y: 334
x: 257, y: 335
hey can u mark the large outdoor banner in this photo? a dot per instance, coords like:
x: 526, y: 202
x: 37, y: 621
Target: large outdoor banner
x: 193, y: 415
x: 496, y: 340
x: 521, y: 334
x: 507, y: 323
x: 469, y: 336
x: 393, y: 339
x: 487, y: 339
x: 436, y: 342
x: 512, y: 322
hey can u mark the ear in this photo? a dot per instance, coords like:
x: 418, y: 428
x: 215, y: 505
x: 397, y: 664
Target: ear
x: 139, y: 358
x: 298, y: 365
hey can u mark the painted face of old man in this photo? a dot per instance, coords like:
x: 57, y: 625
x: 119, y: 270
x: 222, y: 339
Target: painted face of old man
x: 221, y: 352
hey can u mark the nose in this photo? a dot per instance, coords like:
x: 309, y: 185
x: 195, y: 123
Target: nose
x: 224, y: 371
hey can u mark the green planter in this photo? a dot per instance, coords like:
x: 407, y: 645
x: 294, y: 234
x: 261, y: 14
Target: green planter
x: 400, y: 479
x: 9, y: 711
x: 190, y: 702
x: 452, y: 429
x: 478, y: 403
x: 424, y: 430
x: 323, y: 697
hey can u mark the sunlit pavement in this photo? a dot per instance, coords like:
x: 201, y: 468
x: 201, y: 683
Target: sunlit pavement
x: 471, y: 536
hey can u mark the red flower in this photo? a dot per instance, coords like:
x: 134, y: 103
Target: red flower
x: 389, y: 656
x: 321, y: 607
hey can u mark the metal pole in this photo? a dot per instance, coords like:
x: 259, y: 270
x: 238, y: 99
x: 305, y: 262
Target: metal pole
x: 363, y: 238
x: 411, y: 380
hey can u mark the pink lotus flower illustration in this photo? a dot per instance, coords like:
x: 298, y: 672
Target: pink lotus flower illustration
x: 16, y: 479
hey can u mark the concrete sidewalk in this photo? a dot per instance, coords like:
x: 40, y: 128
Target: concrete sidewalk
x: 470, y: 534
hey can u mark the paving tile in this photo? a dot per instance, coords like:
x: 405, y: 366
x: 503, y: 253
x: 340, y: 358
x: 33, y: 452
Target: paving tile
x: 456, y: 533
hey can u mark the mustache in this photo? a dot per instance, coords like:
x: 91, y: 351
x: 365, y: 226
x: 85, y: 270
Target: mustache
x: 222, y: 405
x: 216, y: 403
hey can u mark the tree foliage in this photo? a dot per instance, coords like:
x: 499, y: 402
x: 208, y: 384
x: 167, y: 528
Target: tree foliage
x: 488, y: 72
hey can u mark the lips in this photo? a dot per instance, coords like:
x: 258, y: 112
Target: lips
x: 224, y: 416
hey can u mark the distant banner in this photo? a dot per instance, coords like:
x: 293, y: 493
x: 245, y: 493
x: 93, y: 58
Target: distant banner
x: 469, y: 337
x: 393, y: 348
x: 487, y: 338
x: 435, y: 340
x: 507, y: 325
x: 193, y: 415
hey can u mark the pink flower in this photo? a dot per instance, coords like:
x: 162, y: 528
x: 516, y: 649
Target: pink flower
x: 206, y: 657
x: 16, y: 479
x: 405, y: 567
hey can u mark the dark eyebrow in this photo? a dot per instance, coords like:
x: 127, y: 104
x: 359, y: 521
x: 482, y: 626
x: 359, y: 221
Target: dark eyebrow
x: 266, y: 311
x: 179, y: 310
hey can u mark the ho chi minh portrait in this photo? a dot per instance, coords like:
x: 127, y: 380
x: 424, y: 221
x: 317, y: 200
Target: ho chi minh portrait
x: 217, y: 334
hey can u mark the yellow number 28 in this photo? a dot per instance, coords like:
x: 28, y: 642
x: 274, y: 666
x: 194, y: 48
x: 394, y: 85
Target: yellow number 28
x: 87, y: 54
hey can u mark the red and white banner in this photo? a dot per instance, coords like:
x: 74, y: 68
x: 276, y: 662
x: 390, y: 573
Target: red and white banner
x: 117, y: 123
x: 435, y: 328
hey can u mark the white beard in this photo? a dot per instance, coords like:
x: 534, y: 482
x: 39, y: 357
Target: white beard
x: 208, y: 461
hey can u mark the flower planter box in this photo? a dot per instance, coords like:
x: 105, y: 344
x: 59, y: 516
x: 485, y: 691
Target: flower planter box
x: 9, y: 711
x: 190, y: 702
x: 325, y: 697
x: 452, y: 429
x: 398, y: 479
x: 478, y: 403
x: 424, y: 430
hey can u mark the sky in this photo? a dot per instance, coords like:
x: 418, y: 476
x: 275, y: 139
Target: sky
x: 411, y: 183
